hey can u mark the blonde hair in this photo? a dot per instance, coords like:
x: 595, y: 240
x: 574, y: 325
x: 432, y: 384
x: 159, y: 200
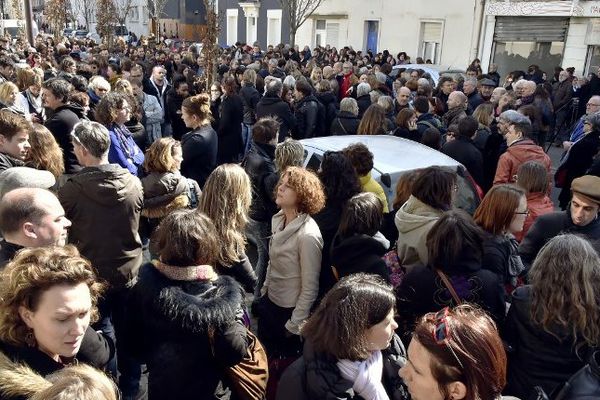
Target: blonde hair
x: 80, y: 382
x: 27, y: 77
x: 289, y: 153
x: 45, y: 153
x: 124, y: 86
x: 159, y: 156
x: 6, y: 89
x: 226, y: 199
x: 32, y: 272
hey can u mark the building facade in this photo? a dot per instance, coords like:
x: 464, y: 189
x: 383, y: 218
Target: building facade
x: 564, y: 33
x: 445, y: 31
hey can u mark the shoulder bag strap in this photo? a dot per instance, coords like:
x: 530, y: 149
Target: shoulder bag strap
x: 449, y: 286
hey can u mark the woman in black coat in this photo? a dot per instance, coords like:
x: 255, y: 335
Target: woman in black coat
x: 49, y: 297
x: 358, y: 245
x: 579, y: 158
x: 231, y: 116
x: 358, y: 356
x: 347, y: 121
x: 185, y: 320
x: 553, y: 325
x: 199, y: 147
x: 340, y: 183
x: 455, y: 247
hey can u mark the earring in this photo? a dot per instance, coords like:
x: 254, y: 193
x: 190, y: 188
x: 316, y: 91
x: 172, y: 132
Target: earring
x: 30, y: 339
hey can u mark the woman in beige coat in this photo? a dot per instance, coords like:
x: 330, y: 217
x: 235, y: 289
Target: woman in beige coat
x: 431, y: 196
x: 292, y: 281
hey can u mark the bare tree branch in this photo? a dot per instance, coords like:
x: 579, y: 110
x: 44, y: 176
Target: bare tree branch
x: 297, y: 12
x: 156, y: 11
x: 85, y: 9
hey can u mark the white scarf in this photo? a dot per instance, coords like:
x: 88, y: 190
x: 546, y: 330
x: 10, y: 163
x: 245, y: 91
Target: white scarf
x: 366, y: 376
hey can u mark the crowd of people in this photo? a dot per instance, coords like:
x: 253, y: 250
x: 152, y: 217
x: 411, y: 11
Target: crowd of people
x: 134, y: 194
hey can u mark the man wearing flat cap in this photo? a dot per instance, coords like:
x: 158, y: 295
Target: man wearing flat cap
x: 486, y: 87
x: 580, y: 217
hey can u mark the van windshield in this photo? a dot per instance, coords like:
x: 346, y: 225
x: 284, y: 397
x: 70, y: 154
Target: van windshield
x: 121, y: 30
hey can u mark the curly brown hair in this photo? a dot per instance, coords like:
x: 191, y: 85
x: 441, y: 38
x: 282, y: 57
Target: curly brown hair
x: 32, y: 272
x: 108, y: 107
x: 310, y: 196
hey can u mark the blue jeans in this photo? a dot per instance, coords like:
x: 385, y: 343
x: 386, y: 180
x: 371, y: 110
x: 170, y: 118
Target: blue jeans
x: 259, y: 233
x: 246, y: 137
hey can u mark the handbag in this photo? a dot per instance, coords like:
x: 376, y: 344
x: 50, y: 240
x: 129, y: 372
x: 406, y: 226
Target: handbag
x: 396, y: 271
x: 248, y: 378
x: 449, y: 286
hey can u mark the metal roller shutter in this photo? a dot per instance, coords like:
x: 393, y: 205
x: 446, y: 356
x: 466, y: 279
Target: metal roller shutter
x: 531, y: 29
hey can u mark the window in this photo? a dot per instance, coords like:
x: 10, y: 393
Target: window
x: 320, y: 32
x: 522, y: 41
x: 431, y: 41
x: 232, y: 22
x: 134, y: 14
x: 144, y: 14
x: 273, y: 27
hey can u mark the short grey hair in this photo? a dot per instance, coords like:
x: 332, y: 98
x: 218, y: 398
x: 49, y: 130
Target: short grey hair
x: 386, y: 102
x: 273, y: 86
x: 290, y: 81
x: 362, y: 89
x: 350, y: 105
x: 472, y: 81
x: 93, y: 136
x: 594, y: 121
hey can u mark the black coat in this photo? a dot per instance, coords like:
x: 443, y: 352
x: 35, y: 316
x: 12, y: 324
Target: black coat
x: 230, y: 129
x: 168, y: 330
x: 259, y: 164
x: 199, y: 148
x: 345, y: 124
x: 7, y: 252
x: 550, y: 225
x: 250, y: 98
x: 536, y: 357
x: 61, y: 123
x: 96, y: 350
x: 358, y: 253
x: 316, y: 376
x: 463, y: 150
x: 330, y: 103
x: 474, y: 100
x: 306, y: 113
x: 423, y: 291
x: 328, y: 220
x: 579, y: 160
x: 273, y: 106
x: 364, y: 102
x: 242, y: 272
x: 174, y: 102
x: 496, y: 255
x: 584, y: 384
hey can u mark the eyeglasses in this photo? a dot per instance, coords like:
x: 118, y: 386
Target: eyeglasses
x: 526, y: 212
x: 592, y: 104
x: 441, y: 332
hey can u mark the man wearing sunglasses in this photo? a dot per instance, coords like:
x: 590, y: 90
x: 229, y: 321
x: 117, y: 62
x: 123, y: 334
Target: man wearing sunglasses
x: 580, y: 217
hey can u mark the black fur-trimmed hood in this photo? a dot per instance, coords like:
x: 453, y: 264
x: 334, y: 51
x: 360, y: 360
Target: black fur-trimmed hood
x: 189, y: 307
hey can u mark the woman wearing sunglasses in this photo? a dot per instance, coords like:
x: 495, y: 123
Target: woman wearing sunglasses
x: 455, y: 354
x: 350, y: 350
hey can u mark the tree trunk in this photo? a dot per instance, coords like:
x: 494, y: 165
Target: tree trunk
x: 292, y: 37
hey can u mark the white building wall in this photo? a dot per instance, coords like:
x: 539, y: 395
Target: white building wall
x: 575, y: 47
x: 399, y: 25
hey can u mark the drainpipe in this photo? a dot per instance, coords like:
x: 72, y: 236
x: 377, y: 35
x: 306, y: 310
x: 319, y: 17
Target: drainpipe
x: 479, y: 12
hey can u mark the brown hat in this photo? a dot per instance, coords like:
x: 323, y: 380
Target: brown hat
x: 587, y: 186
